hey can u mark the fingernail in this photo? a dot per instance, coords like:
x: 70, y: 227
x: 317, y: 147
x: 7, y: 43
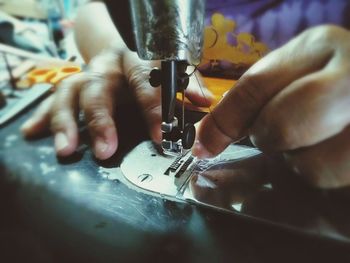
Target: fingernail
x: 156, y: 134
x: 200, y: 151
x: 61, y: 141
x: 27, y: 125
x: 100, y: 146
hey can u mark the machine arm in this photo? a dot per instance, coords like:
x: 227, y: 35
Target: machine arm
x: 170, y: 31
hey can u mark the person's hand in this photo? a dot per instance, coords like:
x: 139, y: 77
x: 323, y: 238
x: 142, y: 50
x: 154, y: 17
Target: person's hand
x: 296, y: 101
x: 230, y: 182
x: 97, y: 93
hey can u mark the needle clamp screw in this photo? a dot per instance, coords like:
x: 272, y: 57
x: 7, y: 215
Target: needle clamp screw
x: 155, y: 77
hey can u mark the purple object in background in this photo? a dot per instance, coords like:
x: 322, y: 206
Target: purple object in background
x: 274, y: 22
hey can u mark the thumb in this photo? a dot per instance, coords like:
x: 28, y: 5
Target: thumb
x: 230, y: 120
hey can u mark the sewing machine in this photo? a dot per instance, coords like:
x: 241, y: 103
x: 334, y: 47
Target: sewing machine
x: 170, y: 31
x: 82, y: 211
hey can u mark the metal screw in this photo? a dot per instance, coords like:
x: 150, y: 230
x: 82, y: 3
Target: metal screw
x: 145, y: 178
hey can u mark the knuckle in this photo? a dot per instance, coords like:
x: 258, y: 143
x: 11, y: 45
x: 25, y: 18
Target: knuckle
x: 153, y: 112
x: 100, y: 88
x: 61, y: 102
x: 99, y: 120
x: 60, y: 119
x: 223, y: 129
x: 96, y: 102
x: 108, y: 62
x: 273, y: 132
x: 324, y: 33
x: 64, y: 92
x: 138, y: 76
x: 45, y: 107
x: 94, y: 95
x: 250, y: 91
x: 71, y: 84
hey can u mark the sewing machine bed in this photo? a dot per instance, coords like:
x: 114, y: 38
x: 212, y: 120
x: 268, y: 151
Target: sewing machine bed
x: 78, y: 208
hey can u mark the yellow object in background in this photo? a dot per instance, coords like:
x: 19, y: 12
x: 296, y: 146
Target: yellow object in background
x: 51, y: 75
x: 224, y: 43
x: 217, y: 86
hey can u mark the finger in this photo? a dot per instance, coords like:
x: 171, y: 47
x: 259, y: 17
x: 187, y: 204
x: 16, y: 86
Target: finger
x: 326, y: 164
x: 306, y: 112
x: 97, y: 101
x: 238, y: 109
x: 39, y: 122
x: 149, y: 98
x: 229, y: 183
x: 63, y: 114
x: 197, y: 92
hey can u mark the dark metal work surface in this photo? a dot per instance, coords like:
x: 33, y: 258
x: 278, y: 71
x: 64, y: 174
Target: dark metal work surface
x: 67, y: 210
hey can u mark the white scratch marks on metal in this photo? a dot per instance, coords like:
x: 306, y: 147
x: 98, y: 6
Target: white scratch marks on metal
x: 46, y: 169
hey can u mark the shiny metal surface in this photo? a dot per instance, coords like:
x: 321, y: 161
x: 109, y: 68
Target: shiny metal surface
x: 173, y: 148
x: 77, y: 210
x: 244, y: 181
x: 168, y: 29
x: 171, y: 174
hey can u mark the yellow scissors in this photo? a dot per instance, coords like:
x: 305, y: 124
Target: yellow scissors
x: 37, y: 83
x: 51, y: 75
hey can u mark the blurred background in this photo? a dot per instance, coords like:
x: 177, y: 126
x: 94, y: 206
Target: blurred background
x: 40, y: 26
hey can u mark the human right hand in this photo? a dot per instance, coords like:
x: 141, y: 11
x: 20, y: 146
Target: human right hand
x: 294, y: 101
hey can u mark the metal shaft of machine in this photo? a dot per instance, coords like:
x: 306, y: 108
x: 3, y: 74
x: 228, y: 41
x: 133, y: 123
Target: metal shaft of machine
x: 169, y: 89
x: 174, y: 79
x: 170, y: 31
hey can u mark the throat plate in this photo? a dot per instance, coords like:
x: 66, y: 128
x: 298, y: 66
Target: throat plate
x: 169, y: 175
